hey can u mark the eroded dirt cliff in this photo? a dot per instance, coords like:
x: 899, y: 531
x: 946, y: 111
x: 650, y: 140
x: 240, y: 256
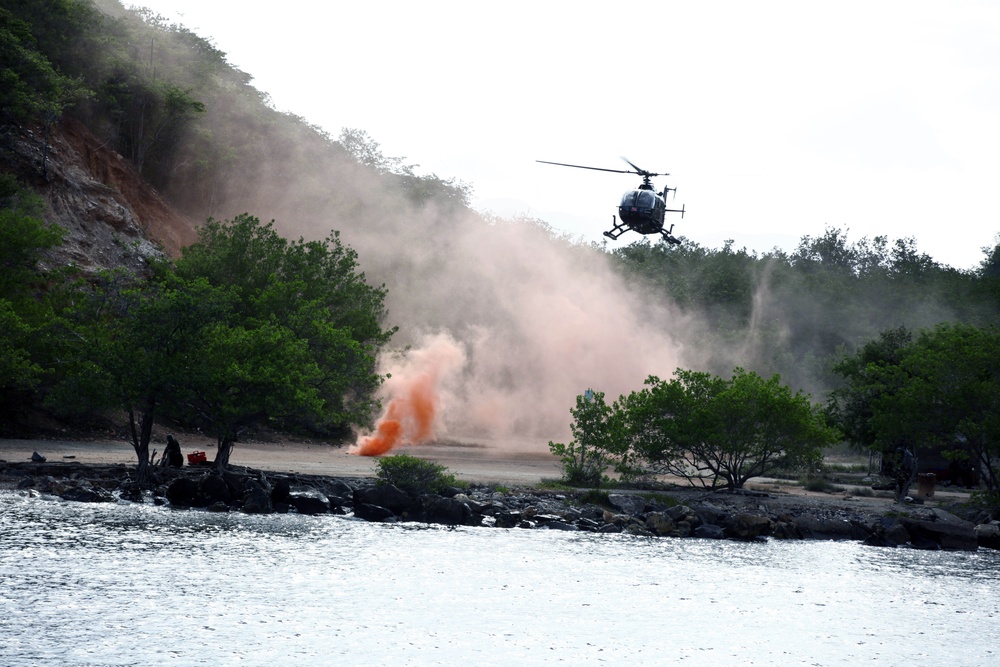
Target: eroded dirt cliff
x: 112, y: 217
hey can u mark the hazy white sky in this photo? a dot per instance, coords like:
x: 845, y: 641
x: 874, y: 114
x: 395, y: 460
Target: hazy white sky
x: 775, y: 119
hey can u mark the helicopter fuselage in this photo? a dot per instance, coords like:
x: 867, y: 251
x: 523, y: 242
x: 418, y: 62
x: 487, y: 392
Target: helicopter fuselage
x: 643, y: 211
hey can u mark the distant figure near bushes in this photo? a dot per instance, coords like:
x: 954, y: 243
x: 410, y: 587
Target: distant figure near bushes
x: 172, y: 455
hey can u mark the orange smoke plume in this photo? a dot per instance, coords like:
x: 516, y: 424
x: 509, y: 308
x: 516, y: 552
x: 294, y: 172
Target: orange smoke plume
x: 412, y: 414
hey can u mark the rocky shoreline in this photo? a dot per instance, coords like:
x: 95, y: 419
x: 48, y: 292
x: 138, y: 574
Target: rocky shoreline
x: 672, y: 513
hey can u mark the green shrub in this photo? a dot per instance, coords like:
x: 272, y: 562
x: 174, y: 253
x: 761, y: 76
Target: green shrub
x: 414, y: 476
x: 987, y: 500
x: 820, y: 485
x: 595, y: 497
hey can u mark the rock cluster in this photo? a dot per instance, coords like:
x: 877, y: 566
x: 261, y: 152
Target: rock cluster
x: 738, y: 516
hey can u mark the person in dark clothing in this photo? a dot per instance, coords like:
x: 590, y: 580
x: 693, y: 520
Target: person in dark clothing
x: 905, y: 473
x: 172, y: 455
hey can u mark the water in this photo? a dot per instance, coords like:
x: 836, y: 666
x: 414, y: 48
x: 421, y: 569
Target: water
x: 143, y: 585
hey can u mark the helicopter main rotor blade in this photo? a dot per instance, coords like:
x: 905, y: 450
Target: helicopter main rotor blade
x: 580, y: 166
x: 642, y: 172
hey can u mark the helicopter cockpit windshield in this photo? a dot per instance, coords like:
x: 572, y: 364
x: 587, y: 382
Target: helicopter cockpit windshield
x: 638, y: 199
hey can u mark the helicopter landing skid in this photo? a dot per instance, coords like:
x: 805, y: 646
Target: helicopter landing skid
x: 669, y: 239
x: 617, y: 230
x: 620, y: 228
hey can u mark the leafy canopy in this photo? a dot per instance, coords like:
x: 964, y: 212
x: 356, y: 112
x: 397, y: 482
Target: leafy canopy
x: 940, y: 390
x: 707, y: 429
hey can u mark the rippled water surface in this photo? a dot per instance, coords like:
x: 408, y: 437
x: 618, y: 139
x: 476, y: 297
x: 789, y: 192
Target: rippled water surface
x: 143, y: 585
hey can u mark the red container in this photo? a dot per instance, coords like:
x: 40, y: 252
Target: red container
x: 197, y: 457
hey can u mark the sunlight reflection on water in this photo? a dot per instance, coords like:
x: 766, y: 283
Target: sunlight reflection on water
x: 140, y: 585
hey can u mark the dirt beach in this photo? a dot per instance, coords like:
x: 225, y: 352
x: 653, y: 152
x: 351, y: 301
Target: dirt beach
x: 469, y: 462
x: 519, y: 465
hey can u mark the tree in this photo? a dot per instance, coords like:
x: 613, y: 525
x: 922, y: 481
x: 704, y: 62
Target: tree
x: 300, y: 345
x: 137, y: 346
x: 588, y: 455
x: 701, y: 427
x: 25, y: 309
x: 940, y: 391
x: 710, y: 430
x: 867, y: 379
x: 31, y: 88
x: 948, y: 397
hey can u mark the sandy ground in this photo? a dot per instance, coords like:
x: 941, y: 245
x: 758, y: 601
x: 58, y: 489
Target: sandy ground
x: 469, y: 462
x: 517, y: 465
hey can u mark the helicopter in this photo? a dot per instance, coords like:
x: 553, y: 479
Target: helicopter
x: 641, y: 210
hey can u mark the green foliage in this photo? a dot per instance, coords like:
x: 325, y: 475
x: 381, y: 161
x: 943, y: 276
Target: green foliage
x: 988, y: 500
x: 30, y: 87
x: 413, y: 475
x: 851, y: 406
x: 595, y: 497
x: 940, y: 390
x: 794, y: 313
x: 305, y: 329
x: 246, y: 329
x: 26, y: 314
x: 703, y: 428
x: 820, y: 485
x: 585, y: 459
x: 312, y: 289
x: 728, y: 431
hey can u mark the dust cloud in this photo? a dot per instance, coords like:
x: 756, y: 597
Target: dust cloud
x: 531, y: 319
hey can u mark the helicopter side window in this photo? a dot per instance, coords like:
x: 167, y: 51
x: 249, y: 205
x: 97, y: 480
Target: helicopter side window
x: 628, y: 199
x: 646, y: 199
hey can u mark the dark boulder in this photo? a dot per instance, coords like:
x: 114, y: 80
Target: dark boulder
x: 213, y: 489
x: 371, y: 512
x: 183, y: 492
x: 384, y: 495
x: 131, y: 492
x: 507, y: 519
x: 340, y: 489
x: 309, y: 501
x: 280, y: 491
x: 627, y: 503
x: 988, y: 535
x: 748, y: 526
x: 813, y: 527
x: 87, y: 494
x: 710, y: 514
x: 560, y: 525
x: 660, y: 523
x: 256, y: 499
x: 785, y: 530
x: 448, y: 511
x: 710, y: 531
x: 953, y: 535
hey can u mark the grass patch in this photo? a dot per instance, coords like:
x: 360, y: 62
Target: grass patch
x: 595, y: 497
x: 820, y: 485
